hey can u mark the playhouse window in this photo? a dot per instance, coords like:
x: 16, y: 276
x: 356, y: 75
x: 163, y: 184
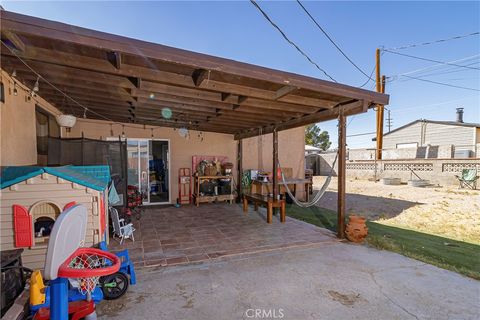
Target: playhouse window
x: 44, y: 216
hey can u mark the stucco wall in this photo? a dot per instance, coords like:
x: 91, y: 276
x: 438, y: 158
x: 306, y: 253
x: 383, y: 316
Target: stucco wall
x: 291, y: 147
x: 18, y: 135
x: 291, y: 151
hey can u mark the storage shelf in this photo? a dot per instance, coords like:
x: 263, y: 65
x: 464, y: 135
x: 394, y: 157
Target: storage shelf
x: 213, y: 177
x: 211, y: 198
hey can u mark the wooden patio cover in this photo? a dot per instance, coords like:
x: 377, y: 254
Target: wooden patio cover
x: 128, y: 80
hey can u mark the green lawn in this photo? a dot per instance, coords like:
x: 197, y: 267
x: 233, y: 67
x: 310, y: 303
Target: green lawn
x: 445, y: 253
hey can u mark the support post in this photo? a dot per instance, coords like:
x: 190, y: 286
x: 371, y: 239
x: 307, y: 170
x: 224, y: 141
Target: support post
x: 379, y: 109
x: 59, y: 299
x: 342, y: 148
x: 239, y: 169
x: 275, y: 164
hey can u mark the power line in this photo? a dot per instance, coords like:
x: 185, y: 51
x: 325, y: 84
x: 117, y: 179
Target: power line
x: 369, y: 78
x: 333, y: 42
x: 431, y: 60
x: 441, y: 83
x: 428, y: 69
x: 290, y: 41
x: 361, y: 134
x: 435, y: 41
x: 453, y: 70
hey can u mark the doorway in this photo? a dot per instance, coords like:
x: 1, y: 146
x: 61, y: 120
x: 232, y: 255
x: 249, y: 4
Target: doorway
x: 149, y: 169
x: 158, y: 172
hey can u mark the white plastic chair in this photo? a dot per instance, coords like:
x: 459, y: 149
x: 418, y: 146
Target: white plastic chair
x: 120, y: 229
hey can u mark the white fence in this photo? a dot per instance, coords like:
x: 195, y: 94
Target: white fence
x: 437, y: 171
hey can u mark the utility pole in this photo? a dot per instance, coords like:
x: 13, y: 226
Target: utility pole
x: 380, y: 85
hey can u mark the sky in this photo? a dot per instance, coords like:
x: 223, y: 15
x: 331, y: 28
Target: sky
x: 236, y: 30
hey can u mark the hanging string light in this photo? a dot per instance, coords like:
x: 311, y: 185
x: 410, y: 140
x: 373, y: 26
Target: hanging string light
x: 15, y: 91
x: 111, y: 130
x: 123, y: 131
x: 151, y: 130
x: 36, y: 86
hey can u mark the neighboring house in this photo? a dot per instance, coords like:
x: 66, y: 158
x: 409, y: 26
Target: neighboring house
x: 311, y: 150
x: 464, y: 138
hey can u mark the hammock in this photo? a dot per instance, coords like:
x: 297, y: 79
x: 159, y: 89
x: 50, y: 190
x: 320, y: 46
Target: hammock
x: 318, y: 195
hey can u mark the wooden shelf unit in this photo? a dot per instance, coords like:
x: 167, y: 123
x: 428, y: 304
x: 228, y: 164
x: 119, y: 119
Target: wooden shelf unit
x: 210, y: 198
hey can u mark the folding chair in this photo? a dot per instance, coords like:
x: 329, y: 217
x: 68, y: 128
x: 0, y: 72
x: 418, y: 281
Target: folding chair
x: 120, y: 229
x: 468, y: 178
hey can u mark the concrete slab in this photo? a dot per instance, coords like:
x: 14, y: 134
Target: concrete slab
x: 329, y: 281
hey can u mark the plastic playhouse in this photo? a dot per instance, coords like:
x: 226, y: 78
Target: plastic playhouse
x: 34, y: 197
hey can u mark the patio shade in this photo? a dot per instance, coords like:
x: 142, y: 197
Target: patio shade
x: 128, y: 80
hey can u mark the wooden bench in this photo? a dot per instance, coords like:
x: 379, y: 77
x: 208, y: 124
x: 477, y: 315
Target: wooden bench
x: 266, y: 201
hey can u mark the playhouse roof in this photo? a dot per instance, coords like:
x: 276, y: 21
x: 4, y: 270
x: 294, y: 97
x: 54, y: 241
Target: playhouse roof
x: 94, y: 177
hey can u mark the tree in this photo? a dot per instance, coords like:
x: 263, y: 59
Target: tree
x: 314, y: 136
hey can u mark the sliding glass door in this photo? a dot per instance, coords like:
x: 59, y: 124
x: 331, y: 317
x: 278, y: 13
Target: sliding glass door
x: 148, y: 169
x: 159, y: 174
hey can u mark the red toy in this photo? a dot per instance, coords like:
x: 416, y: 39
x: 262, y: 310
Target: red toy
x: 134, y: 202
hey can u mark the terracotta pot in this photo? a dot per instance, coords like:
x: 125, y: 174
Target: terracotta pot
x: 356, y: 230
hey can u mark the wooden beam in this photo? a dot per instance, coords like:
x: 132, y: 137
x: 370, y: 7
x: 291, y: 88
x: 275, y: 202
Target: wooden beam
x: 172, y: 79
x: 199, y: 75
x: 115, y: 58
x: 62, y: 71
x: 216, y: 97
x: 349, y: 108
x: 92, y: 88
x: 166, y: 97
x: 341, y: 173
x: 13, y: 40
x: 237, y: 89
x: 283, y: 91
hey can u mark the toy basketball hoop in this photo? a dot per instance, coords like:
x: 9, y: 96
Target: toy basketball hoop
x: 86, y: 265
x: 67, y: 260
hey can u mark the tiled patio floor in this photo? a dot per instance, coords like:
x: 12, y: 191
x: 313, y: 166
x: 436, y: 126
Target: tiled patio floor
x: 170, y: 236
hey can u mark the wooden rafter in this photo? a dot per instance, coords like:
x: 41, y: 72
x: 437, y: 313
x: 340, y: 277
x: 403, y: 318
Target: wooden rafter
x: 13, y: 39
x: 283, y: 91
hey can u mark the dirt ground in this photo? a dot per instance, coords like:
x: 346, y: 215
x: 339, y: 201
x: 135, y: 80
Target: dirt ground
x: 445, y: 211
